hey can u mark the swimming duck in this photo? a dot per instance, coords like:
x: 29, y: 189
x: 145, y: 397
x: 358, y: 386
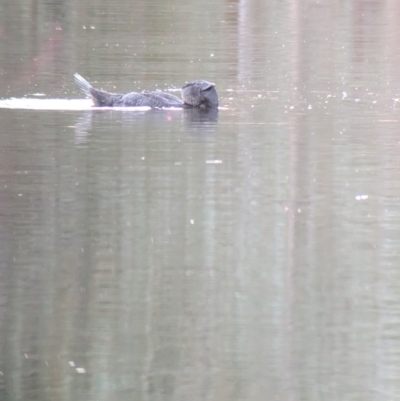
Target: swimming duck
x: 198, y: 93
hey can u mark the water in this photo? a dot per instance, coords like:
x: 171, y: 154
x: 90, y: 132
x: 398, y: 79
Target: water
x: 248, y: 254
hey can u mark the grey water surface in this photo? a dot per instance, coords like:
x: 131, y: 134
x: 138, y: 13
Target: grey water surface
x: 248, y: 254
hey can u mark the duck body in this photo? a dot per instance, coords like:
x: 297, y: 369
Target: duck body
x: 195, y: 94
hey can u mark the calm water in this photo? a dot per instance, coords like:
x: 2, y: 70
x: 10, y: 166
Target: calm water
x: 250, y: 254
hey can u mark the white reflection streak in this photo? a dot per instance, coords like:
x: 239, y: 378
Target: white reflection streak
x: 245, y: 43
x: 244, y: 151
x: 245, y: 51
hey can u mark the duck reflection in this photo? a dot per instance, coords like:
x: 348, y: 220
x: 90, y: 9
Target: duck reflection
x: 199, y: 116
x: 195, y: 120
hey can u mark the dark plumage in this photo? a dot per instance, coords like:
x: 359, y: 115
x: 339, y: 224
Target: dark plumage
x: 200, y: 94
x: 195, y: 94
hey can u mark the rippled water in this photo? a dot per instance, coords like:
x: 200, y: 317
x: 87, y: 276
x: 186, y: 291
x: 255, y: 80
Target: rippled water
x: 249, y: 253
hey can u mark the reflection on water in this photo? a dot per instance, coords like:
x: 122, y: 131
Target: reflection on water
x: 202, y: 121
x: 202, y: 117
x: 249, y: 253
x: 47, y: 104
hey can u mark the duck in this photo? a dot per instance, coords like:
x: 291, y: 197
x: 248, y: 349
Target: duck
x: 199, y: 93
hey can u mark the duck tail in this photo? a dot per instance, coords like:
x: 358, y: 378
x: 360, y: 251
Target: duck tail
x: 100, y: 98
x: 83, y: 84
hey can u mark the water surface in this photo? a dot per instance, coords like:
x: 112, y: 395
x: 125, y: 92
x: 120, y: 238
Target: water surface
x: 246, y: 254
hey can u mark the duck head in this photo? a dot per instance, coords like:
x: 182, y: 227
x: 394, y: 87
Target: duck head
x: 200, y: 94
